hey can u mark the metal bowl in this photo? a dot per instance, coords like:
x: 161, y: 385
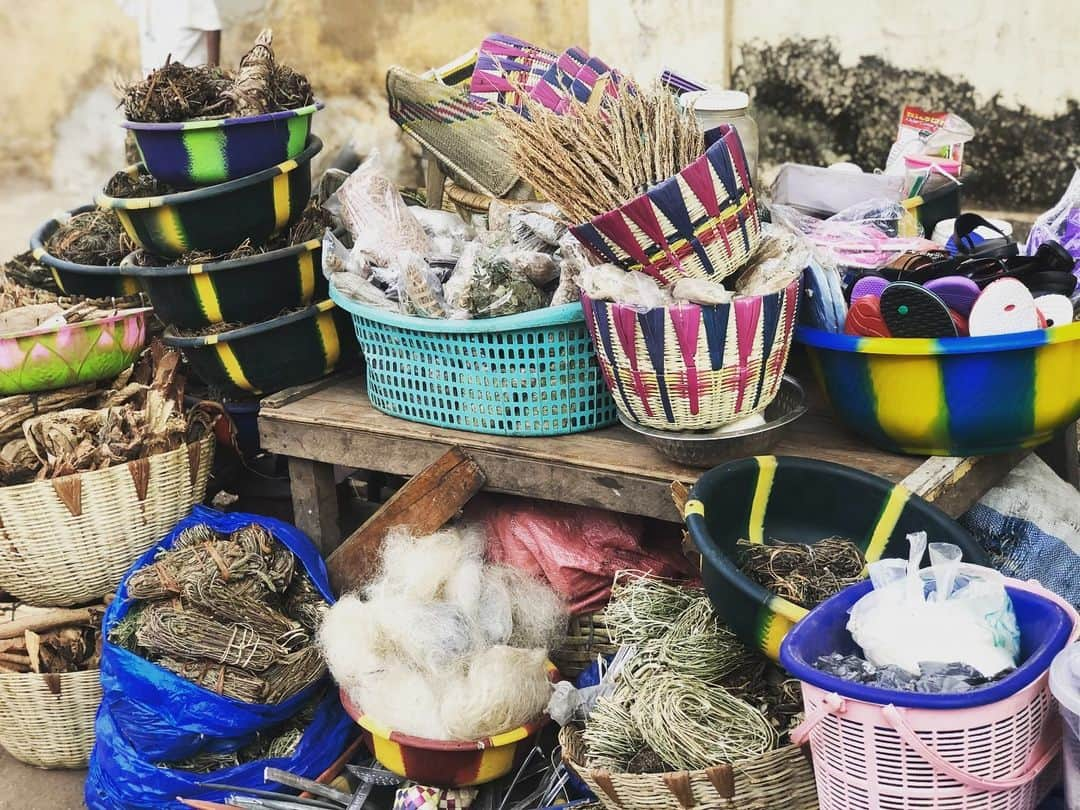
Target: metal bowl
x: 708, y: 448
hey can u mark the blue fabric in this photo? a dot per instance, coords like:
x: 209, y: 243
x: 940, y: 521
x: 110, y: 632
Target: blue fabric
x: 167, y: 717
x: 120, y: 778
x: 1020, y: 549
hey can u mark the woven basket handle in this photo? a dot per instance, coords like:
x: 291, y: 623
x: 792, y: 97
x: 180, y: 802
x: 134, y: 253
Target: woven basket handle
x: 1030, y: 771
x: 831, y: 703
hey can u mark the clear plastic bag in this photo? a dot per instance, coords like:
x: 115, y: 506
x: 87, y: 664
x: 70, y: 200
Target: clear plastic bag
x: 1061, y: 223
x: 448, y: 232
x: 608, y: 282
x: 420, y: 290
x: 486, y: 284
x: 372, y: 210
x: 862, y: 236
x: 950, y: 612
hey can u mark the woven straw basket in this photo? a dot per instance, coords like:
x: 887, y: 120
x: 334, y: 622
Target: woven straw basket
x: 68, y: 541
x: 779, y: 780
x: 694, y: 367
x: 586, y: 637
x: 48, y: 720
x: 701, y: 223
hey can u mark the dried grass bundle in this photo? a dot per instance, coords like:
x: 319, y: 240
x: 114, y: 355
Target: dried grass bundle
x: 164, y: 630
x: 304, y: 603
x: 92, y: 237
x: 175, y: 92
x: 234, y: 603
x: 294, y: 672
x: 226, y: 681
x: 594, y: 158
x: 202, y: 561
x: 642, y: 608
x: 805, y: 574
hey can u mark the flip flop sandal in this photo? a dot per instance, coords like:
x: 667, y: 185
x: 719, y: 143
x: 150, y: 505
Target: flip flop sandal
x: 958, y: 293
x: 1005, y: 306
x: 869, y: 284
x: 961, y: 323
x: 1057, y: 310
x: 864, y: 318
x: 912, y: 311
x: 964, y: 236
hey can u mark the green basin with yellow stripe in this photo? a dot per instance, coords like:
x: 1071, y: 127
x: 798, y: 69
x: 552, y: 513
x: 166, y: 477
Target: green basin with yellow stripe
x: 91, y: 280
x: 961, y: 396
x: 266, y: 357
x: 218, y: 218
x: 799, y: 500
x: 248, y: 290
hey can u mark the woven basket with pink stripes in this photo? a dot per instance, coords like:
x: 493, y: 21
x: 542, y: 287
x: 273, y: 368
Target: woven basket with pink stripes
x: 693, y: 367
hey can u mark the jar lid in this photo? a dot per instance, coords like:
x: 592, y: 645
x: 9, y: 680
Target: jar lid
x: 1065, y: 678
x: 721, y: 101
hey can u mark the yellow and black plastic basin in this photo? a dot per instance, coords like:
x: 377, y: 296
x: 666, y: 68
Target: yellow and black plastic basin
x: 92, y: 280
x: 266, y: 357
x: 799, y: 500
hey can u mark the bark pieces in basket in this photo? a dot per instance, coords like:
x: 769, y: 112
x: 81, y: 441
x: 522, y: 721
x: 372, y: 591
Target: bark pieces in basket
x: 50, y: 641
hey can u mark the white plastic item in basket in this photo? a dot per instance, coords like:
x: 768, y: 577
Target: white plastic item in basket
x: 69, y: 540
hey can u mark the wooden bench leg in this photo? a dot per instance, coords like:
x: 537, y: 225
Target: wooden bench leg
x: 315, y: 504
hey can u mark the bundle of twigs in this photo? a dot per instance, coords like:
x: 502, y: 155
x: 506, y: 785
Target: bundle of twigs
x: 190, y: 635
x: 92, y: 237
x: 594, y: 158
x: 805, y: 574
x: 643, y: 608
x: 256, y: 610
x: 124, y: 184
x: 23, y: 271
x: 175, y: 92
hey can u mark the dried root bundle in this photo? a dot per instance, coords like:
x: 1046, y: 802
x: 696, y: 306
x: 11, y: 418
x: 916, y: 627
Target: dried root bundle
x: 92, y: 237
x: 194, y: 636
x: 805, y: 574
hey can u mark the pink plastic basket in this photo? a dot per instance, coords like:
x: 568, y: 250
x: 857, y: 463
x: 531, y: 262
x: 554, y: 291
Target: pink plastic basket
x: 870, y: 756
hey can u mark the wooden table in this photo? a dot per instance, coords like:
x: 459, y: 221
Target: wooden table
x: 332, y: 423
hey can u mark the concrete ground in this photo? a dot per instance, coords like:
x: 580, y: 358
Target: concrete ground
x: 26, y: 788
x: 25, y: 205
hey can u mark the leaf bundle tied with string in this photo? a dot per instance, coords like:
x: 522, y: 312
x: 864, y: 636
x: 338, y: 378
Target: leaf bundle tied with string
x: 166, y: 630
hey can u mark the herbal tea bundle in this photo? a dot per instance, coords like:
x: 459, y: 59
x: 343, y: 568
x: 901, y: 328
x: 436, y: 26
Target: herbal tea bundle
x: 443, y: 645
x: 806, y: 574
x: 234, y: 614
x: 593, y: 159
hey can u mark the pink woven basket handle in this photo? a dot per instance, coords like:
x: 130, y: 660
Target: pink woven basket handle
x: 1030, y: 771
x: 831, y: 703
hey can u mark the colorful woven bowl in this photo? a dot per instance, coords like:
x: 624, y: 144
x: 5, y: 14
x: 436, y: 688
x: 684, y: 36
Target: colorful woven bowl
x: 94, y: 281
x: 951, y: 396
x: 198, y: 153
x: 448, y: 764
x: 266, y: 357
x: 218, y: 218
x: 694, y: 367
x: 701, y: 223
x: 798, y: 500
x: 56, y: 357
x: 246, y: 290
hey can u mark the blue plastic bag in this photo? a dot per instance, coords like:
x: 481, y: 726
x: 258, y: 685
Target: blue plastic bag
x: 166, y: 717
x: 122, y: 779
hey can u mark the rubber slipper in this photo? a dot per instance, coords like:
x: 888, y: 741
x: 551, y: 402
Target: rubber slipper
x: 957, y: 292
x: 868, y: 285
x: 1005, y: 307
x: 864, y: 318
x: 1057, y: 310
x: 912, y: 311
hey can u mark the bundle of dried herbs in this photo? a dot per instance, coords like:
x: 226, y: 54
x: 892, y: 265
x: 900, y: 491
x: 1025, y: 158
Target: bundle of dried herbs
x: 125, y: 184
x: 175, y: 92
x: 691, y: 695
x: 23, y: 272
x: 232, y: 613
x: 139, y: 415
x: 92, y: 237
x: 50, y: 640
x: 804, y: 574
x: 593, y: 159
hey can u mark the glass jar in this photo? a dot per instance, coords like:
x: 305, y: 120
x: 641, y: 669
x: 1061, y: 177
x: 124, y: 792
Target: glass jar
x: 716, y: 107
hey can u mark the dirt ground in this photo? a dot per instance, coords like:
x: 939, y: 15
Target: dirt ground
x: 25, y: 205
x: 26, y: 788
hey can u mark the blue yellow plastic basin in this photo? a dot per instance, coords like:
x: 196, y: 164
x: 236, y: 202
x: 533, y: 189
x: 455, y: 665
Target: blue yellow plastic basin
x: 951, y: 396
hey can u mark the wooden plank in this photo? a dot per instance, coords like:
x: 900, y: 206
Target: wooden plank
x: 614, y: 451
x: 288, y: 395
x: 955, y: 484
x: 424, y: 504
x: 315, y: 505
x: 505, y: 472
x: 434, y: 180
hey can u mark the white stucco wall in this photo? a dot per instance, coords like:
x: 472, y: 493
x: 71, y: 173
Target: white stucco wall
x: 1028, y: 52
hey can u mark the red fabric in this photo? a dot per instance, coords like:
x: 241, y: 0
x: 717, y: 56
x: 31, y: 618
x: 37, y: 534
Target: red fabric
x: 576, y: 549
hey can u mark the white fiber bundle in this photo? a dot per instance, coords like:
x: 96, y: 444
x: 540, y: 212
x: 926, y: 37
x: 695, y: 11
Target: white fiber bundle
x: 420, y: 567
x: 354, y: 646
x: 403, y: 699
x: 539, y: 614
x: 504, y: 688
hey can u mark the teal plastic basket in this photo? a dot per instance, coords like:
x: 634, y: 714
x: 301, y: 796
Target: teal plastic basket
x: 533, y: 374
